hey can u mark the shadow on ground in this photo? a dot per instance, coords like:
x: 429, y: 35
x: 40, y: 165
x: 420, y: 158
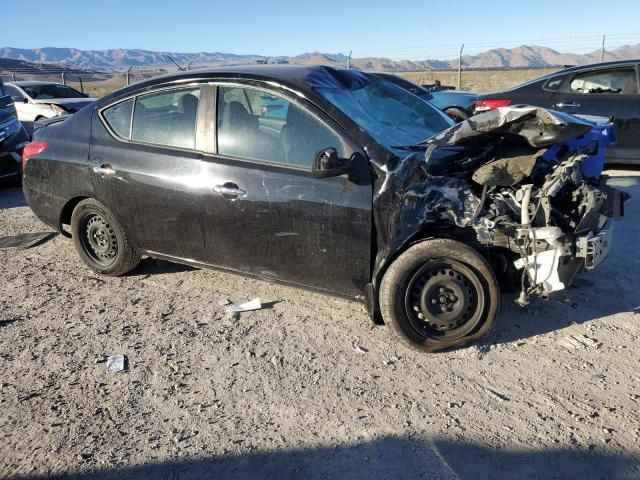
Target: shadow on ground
x: 386, y: 458
x: 11, y: 197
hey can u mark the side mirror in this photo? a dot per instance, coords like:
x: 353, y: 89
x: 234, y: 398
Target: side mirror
x: 20, y: 99
x: 327, y: 164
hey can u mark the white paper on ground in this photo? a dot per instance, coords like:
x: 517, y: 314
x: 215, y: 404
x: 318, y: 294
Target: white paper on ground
x: 245, y: 307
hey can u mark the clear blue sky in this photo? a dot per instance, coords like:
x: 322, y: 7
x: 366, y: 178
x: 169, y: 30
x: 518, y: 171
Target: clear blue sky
x: 287, y: 27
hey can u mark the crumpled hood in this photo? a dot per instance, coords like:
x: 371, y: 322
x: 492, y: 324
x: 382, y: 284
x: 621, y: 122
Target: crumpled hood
x: 426, y: 190
x: 537, y: 126
x: 68, y: 103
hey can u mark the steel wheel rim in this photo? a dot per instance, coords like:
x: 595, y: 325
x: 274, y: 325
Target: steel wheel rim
x: 99, y: 239
x: 444, y: 299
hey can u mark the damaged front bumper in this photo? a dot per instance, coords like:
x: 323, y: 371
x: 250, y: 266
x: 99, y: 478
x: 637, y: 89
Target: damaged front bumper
x: 522, y: 184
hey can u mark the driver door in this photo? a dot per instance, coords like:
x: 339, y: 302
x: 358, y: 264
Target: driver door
x: 265, y: 213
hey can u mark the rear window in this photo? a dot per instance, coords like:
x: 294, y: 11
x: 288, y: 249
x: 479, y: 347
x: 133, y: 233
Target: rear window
x: 553, y: 84
x: 118, y: 117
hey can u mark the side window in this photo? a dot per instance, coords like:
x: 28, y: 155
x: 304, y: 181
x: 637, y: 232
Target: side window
x: 620, y: 80
x: 118, y: 117
x: 257, y: 125
x: 553, y: 84
x: 167, y: 118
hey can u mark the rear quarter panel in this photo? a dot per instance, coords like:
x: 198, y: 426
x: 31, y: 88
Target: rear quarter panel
x: 60, y: 173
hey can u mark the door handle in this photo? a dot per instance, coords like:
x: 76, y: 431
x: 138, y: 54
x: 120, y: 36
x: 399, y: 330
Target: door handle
x: 230, y: 190
x: 105, y: 170
x: 567, y: 105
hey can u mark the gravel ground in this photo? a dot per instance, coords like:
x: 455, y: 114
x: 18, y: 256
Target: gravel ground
x: 306, y: 387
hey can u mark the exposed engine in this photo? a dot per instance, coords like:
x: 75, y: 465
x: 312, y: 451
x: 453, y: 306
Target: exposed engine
x: 524, y: 181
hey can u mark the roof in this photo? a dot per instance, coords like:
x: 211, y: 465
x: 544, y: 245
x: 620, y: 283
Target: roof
x: 301, y: 78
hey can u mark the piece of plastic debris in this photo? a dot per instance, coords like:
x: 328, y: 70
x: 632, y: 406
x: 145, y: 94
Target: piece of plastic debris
x: 224, y: 301
x: 575, y: 342
x: 245, y: 307
x: 358, y: 348
x: 116, y: 363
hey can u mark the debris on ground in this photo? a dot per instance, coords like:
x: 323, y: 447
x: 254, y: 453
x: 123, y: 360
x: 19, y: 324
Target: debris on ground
x: 245, y: 307
x: 224, y: 302
x: 25, y: 240
x: 578, y: 342
x: 116, y: 363
x: 358, y: 348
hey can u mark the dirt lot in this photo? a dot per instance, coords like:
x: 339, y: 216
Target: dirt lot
x: 306, y: 387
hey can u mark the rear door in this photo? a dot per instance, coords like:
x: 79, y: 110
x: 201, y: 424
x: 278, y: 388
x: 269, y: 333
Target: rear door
x: 146, y: 166
x: 265, y: 213
x: 607, y: 92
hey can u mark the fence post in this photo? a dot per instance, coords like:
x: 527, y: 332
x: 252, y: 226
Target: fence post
x: 349, y: 60
x: 13, y: 77
x: 128, y: 75
x: 602, y: 49
x: 460, y: 67
x: 63, y: 79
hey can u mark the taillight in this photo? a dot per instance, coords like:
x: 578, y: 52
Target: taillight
x: 31, y: 150
x: 489, y: 104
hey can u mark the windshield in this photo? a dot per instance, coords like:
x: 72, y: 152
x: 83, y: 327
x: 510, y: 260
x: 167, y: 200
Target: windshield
x: 389, y: 114
x: 49, y: 91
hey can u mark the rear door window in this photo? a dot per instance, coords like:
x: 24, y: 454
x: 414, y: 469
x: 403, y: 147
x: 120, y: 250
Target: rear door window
x: 620, y: 81
x: 167, y: 118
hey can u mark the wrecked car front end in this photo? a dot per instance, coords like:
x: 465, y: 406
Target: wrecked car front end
x: 521, y: 184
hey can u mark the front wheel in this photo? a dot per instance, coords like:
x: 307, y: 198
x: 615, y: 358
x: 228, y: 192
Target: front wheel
x: 100, y: 240
x: 439, y: 294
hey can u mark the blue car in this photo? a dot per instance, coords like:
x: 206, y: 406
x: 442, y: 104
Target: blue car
x: 457, y: 105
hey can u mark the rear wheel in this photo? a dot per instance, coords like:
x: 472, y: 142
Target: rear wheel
x: 100, y: 240
x: 439, y: 294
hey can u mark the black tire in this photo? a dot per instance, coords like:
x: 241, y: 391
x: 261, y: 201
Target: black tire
x: 101, y: 241
x: 457, y: 114
x: 439, y: 294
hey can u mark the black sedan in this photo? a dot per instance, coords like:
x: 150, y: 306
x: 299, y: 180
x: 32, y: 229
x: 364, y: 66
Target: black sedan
x: 318, y: 177
x: 607, y: 89
x: 13, y: 138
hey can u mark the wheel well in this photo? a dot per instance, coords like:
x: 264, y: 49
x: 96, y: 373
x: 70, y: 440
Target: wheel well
x: 65, y: 215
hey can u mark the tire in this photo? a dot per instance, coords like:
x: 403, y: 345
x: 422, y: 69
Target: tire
x: 457, y: 114
x: 439, y: 294
x: 101, y: 241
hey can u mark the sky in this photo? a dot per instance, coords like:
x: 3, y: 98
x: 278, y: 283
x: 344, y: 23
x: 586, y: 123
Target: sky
x: 393, y: 28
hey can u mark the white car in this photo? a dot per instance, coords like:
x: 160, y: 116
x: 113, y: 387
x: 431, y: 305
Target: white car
x: 37, y: 100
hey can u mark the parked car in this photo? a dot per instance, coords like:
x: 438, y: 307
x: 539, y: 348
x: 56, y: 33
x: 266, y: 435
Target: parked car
x: 38, y: 100
x: 457, y: 105
x: 333, y: 193
x: 608, y: 89
x: 13, y: 138
x: 6, y: 102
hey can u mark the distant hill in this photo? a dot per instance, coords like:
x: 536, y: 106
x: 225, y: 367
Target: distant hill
x: 121, y: 59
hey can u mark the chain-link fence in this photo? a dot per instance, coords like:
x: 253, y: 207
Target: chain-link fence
x: 476, y: 67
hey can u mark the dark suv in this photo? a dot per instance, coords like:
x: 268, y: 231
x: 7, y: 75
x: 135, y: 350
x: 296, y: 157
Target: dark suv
x: 6, y: 102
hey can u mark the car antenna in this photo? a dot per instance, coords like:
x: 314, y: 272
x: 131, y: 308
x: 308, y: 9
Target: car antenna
x: 182, y: 69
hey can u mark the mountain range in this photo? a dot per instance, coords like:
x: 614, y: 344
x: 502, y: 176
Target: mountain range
x: 121, y: 59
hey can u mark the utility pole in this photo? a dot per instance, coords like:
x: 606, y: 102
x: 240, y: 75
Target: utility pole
x: 602, y: 49
x: 460, y: 67
x: 128, y: 75
x: 349, y: 60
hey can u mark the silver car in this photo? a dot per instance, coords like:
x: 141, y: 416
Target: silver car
x: 38, y: 100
